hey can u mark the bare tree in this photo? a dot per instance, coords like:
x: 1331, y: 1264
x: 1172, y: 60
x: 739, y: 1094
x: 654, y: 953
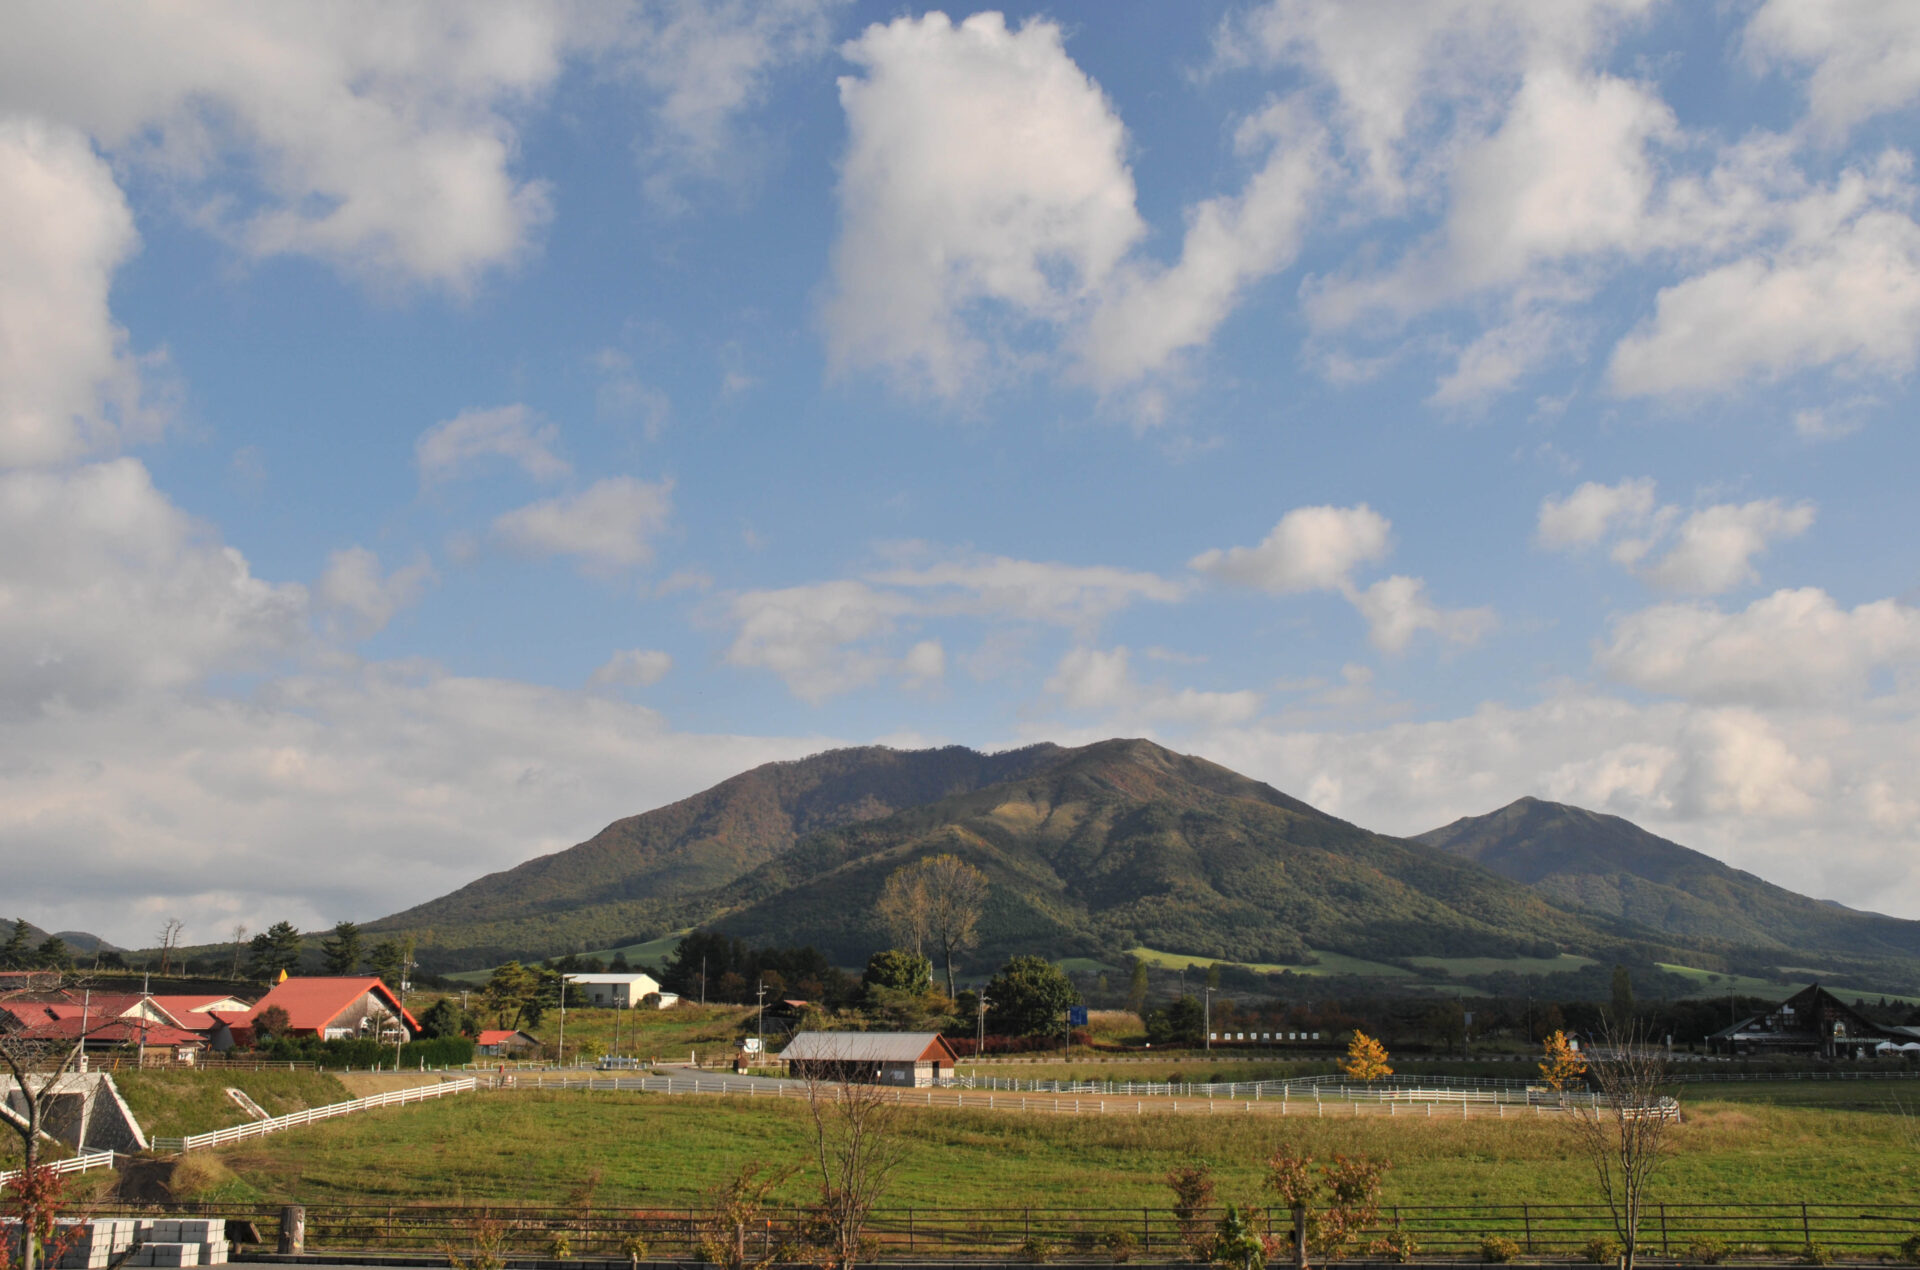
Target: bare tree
x: 36, y: 1066
x: 1624, y: 1128
x: 169, y: 940
x: 239, y: 947
x: 937, y: 898
x: 857, y: 1148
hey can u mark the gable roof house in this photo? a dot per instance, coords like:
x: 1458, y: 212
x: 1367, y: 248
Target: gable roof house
x: 617, y: 991
x: 184, y: 1025
x: 501, y: 1042
x: 870, y: 1058
x: 1811, y: 1021
x: 339, y: 1008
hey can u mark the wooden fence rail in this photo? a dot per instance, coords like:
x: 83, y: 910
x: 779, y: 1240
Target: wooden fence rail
x: 259, y: 1128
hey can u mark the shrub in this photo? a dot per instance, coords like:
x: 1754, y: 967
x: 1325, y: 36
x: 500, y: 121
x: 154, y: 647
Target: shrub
x: 1910, y: 1250
x: 1601, y: 1251
x: 1035, y: 1249
x: 1708, y: 1252
x: 634, y: 1246
x: 1495, y: 1249
x: 1121, y: 1245
x: 559, y: 1245
x: 1816, y: 1255
x: 1397, y: 1244
x: 1236, y: 1242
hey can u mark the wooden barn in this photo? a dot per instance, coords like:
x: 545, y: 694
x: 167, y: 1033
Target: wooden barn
x: 872, y: 1058
x: 1811, y: 1021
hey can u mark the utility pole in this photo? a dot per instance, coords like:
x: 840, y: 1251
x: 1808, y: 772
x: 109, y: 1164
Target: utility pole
x: 760, y: 1024
x: 1206, y: 996
x: 980, y: 1045
x: 563, y: 1020
x: 703, y: 978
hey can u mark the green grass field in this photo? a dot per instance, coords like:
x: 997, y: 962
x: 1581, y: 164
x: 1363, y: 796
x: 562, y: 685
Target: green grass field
x: 1329, y: 963
x: 650, y: 1150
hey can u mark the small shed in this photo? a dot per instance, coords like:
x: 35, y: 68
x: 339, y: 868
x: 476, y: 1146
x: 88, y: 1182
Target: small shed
x: 504, y: 1042
x: 872, y: 1058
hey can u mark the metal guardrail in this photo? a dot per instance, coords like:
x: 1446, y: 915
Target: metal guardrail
x: 72, y: 1164
x: 259, y: 1128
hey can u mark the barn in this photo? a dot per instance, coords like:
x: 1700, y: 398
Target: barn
x: 872, y: 1058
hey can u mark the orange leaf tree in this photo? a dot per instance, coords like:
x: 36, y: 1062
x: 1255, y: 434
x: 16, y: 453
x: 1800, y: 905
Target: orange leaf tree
x: 1561, y: 1062
x: 1366, y: 1059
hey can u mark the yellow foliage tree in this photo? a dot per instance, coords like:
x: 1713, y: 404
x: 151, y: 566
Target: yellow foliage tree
x: 1561, y: 1062
x: 1366, y: 1059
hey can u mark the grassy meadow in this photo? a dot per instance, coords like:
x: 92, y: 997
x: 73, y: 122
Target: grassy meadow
x: 650, y: 1150
x: 172, y: 1103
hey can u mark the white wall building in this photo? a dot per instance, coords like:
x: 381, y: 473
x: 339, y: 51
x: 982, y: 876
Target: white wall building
x: 620, y: 991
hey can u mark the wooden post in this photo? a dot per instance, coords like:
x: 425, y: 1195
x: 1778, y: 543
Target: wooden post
x: 1300, y: 1237
x: 293, y: 1229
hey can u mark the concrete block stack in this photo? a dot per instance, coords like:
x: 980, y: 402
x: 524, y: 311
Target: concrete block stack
x: 197, y: 1241
x: 91, y: 1245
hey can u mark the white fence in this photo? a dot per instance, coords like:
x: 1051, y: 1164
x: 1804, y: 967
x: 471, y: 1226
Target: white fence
x: 74, y: 1164
x: 259, y: 1128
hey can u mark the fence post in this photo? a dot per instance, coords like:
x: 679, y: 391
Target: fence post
x: 1663, y: 1230
x: 1526, y: 1224
x: 1806, y: 1229
x: 293, y: 1229
x: 1300, y: 1237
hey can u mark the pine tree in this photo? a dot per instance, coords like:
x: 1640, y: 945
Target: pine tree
x: 275, y: 949
x: 1137, y: 987
x: 18, y: 950
x: 340, y: 952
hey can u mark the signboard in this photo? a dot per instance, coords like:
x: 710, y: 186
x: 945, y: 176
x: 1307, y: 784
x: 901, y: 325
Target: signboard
x: 1076, y: 1016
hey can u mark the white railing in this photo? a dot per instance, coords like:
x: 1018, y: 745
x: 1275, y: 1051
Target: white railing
x: 258, y: 1128
x: 73, y: 1164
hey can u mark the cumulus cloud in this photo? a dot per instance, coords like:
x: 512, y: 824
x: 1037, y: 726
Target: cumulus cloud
x: 1791, y: 647
x: 1714, y: 548
x: 1030, y: 590
x: 609, y: 525
x: 1864, y: 58
x: 815, y: 637
x: 108, y: 589
x: 1102, y: 681
x: 514, y: 433
x: 68, y: 384
x: 1397, y: 609
x: 984, y: 171
x: 1310, y: 549
x: 362, y: 598
x: 1594, y: 512
x: 633, y: 668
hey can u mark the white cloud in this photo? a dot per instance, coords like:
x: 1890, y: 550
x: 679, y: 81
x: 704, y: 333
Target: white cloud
x: 1150, y: 313
x: 68, y: 385
x: 1397, y: 609
x: 1097, y: 681
x: 633, y: 668
x: 365, y: 600
x: 1864, y: 54
x: 984, y: 175
x: 609, y: 525
x: 816, y: 637
x: 514, y: 433
x: 1842, y: 291
x: 925, y: 663
x: 1310, y: 549
x: 1595, y: 511
x: 1030, y: 590
x: 107, y: 588
x: 1714, y: 548
x: 1791, y: 647
x: 623, y: 397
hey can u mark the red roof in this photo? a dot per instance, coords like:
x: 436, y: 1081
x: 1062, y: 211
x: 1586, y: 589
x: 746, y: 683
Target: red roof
x: 311, y: 1004
x: 494, y: 1036
x: 116, y: 1031
x: 191, y: 1012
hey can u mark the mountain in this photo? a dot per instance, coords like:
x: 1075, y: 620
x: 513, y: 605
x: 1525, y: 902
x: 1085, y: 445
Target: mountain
x: 78, y: 941
x: 641, y: 876
x: 1602, y: 864
x: 1090, y: 851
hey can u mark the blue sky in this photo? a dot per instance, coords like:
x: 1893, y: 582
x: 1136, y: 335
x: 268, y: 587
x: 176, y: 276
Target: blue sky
x: 427, y: 435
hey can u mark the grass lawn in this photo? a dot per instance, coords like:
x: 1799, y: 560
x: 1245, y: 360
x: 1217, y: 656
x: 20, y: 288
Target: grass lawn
x: 1329, y: 963
x: 174, y: 1103
x: 649, y: 1150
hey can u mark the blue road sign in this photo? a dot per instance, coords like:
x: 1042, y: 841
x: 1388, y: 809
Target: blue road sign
x: 1076, y: 1016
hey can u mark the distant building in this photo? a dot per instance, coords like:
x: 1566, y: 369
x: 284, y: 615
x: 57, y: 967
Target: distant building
x: 505, y: 1043
x: 872, y: 1058
x: 342, y: 1008
x: 1812, y: 1021
x: 620, y: 991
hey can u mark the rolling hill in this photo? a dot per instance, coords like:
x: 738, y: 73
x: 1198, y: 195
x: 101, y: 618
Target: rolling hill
x: 1585, y: 860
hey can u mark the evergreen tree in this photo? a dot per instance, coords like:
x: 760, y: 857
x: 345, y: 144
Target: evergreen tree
x: 440, y: 1019
x: 18, y: 950
x: 1137, y: 987
x: 1182, y: 1022
x: 52, y: 954
x: 1622, y: 997
x: 340, y: 951
x: 384, y: 959
x: 275, y: 949
x: 898, y: 970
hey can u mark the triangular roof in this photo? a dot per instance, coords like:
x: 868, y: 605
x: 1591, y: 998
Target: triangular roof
x: 312, y: 1003
x: 1813, y: 1012
x: 869, y: 1047
x: 493, y: 1036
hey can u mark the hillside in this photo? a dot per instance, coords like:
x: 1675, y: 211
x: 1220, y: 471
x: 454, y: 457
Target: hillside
x: 78, y: 941
x: 1582, y: 859
x: 639, y: 876
x: 1124, y: 843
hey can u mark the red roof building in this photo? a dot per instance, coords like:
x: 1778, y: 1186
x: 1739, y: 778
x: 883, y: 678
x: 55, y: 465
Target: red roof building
x: 495, y: 1041
x: 339, y: 1009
